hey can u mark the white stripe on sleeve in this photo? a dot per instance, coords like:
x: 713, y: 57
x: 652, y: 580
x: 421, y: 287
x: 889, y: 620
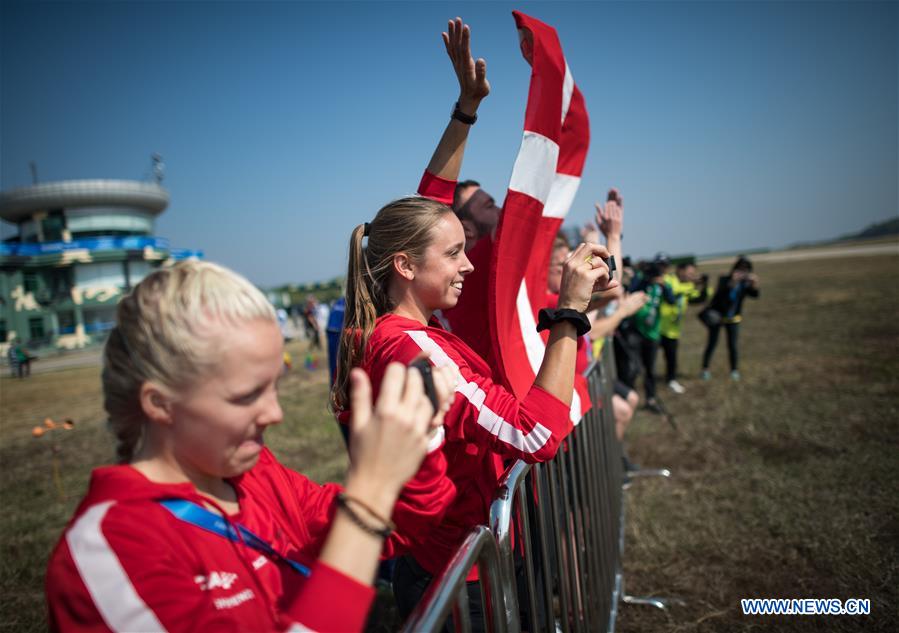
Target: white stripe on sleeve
x: 534, y: 346
x: 437, y: 440
x: 561, y: 195
x: 575, y: 413
x: 535, y: 166
x: 567, y: 91
x: 533, y: 342
x: 109, y: 586
x: 487, y: 418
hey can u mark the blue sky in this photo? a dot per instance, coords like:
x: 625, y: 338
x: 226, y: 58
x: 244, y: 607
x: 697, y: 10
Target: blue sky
x: 727, y: 125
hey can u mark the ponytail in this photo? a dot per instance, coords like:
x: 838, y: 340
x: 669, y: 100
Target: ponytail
x: 359, y: 318
x: 404, y: 226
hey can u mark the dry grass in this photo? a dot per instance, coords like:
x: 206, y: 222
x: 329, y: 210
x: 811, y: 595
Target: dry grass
x: 784, y: 483
x: 784, y: 486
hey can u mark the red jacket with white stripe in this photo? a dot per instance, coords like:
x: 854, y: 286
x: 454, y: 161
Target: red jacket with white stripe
x: 124, y: 563
x: 485, y: 426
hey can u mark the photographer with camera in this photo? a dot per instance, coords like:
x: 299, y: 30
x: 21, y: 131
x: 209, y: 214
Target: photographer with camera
x: 645, y: 332
x: 725, y: 309
x: 688, y: 287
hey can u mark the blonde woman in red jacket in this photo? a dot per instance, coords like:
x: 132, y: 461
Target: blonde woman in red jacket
x: 199, y: 528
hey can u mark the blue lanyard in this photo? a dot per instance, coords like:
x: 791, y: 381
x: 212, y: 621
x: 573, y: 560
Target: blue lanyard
x: 190, y: 512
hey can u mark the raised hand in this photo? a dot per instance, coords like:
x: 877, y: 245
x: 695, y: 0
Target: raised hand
x: 589, y: 233
x: 610, y: 217
x: 472, y: 75
x: 632, y: 303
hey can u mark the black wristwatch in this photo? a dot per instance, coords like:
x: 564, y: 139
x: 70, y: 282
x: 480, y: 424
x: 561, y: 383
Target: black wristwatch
x: 549, y: 316
x: 467, y: 119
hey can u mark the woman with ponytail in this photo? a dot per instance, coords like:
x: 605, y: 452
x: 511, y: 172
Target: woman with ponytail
x: 404, y: 266
x: 199, y: 527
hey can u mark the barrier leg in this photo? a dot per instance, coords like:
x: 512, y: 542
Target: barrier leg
x: 557, y: 513
x: 651, y: 601
x: 462, y: 611
x: 649, y: 472
x: 526, y: 546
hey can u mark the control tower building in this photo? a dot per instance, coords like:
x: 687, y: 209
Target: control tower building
x: 80, y: 245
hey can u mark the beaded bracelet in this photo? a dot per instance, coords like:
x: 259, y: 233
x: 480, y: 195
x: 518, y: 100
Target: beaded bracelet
x: 343, y: 502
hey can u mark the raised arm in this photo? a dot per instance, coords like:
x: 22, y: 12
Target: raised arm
x: 610, y: 219
x: 584, y: 273
x: 473, y: 87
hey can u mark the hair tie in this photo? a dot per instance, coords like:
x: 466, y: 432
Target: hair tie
x: 366, y: 229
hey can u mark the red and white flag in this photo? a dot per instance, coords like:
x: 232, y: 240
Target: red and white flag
x: 543, y: 185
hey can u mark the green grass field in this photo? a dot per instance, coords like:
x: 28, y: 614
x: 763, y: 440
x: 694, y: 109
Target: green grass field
x: 785, y: 484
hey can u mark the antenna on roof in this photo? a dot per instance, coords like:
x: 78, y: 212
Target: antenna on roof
x: 158, y: 167
x: 33, y: 166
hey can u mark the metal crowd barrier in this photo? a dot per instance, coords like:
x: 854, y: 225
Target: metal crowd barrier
x: 551, y: 558
x: 448, y: 594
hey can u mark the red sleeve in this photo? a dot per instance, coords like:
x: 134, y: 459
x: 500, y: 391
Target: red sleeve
x: 420, y: 506
x: 308, y: 505
x: 331, y: 601
x: 422, y: 503
x: 485, y: 413
x: 437, y: 188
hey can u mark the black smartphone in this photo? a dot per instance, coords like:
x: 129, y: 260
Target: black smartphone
x: 423, y: 365
x: 610, y: 262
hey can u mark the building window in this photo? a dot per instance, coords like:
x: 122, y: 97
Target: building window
x: 53, y: 226
x: 66, y: 321
x: 59, y: 282
x: 99, y: 320
x: 137, y: 270
x: 36, y: 327
x: 29, y: 281
x: 3, y: 332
